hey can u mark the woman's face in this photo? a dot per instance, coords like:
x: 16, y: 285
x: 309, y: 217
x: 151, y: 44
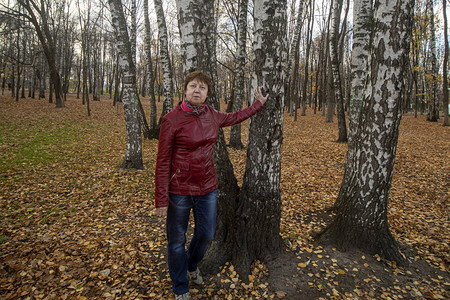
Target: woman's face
x: 196, y: 92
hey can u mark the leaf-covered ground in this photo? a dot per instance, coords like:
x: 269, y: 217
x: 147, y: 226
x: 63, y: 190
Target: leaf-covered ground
x: 74, y: 225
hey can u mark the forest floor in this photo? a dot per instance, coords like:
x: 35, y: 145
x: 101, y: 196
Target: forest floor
x: 74, y: 225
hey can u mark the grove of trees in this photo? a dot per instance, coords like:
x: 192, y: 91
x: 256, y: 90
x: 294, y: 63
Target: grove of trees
x: 365, y: 61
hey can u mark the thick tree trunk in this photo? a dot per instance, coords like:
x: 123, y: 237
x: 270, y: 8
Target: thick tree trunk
x: 239, y: 88
x: 361, y: 214
x: 130, y: 98
x: 259, y: 208
x: 360, y: 53
x: 235, y: 241
x: 196, y: 19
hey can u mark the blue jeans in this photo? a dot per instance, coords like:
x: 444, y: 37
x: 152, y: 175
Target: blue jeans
x: 180, y: 260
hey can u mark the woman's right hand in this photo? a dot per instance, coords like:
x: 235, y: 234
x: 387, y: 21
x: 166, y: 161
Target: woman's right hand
x: 161, y: 211
x: 259, y: 96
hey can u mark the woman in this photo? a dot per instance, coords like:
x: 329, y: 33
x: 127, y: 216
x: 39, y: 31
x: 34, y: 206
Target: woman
x: 186, y: 177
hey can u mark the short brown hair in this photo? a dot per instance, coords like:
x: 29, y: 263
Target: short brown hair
x: 200, y: 76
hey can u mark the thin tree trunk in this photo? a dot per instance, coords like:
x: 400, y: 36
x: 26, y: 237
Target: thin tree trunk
x: 293, y: 62
x: 165, y: 59
x: 18, y: 60
x: 434, y: 101
x: 308, y: 49
x: 130, y: 99
x: 445, y: 65
x: 239, y: 88
x: 335, y: 65
x: 154, y: 132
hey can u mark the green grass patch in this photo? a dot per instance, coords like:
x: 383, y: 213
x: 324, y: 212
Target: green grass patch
x: 25, y: 145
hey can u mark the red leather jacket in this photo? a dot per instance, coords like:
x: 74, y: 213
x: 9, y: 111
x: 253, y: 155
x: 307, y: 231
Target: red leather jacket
x: 185, y: 162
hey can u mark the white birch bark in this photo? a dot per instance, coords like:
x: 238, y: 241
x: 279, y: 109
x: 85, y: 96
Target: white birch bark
x: 235, y: 137
x: 361, y: 216
x: 150, y: 73
x: 445, y: 65
x: 293, y: 62
x: 186, y: 22
x: 362, y: 17
x: 260, y: 199
x: 133, y: 30
x: 130, y: 98
x: 335, y: 66
x: 165, y: 58
x: 434, y: 109
x: 196, y: 20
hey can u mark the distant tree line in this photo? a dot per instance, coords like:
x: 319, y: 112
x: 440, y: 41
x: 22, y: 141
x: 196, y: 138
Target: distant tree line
x: 57, y: 47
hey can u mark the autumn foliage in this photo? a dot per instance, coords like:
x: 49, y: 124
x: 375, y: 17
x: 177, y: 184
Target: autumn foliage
x: 76, y: 225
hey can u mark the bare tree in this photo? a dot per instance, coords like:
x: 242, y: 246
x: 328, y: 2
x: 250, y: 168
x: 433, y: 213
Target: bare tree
x: 165, y: 59
x: 307, y: 56
x: 445, y: 63
x: 294, y: 60
x: 130, y: 97
x: 335, y: 65
x: 150, y: 74
x: 259, y: 208
x: 37, y: 14
x: 361, y: 215
x: 239, y: 86
x: 260, y: 238
x: 362, y: 12
x: 433, y: 111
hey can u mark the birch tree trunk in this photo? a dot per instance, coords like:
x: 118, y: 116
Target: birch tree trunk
x: 130, y: 97
x: 362, y: 12
x: 257, y: 225
x: 307, y: 58
x: 235, y: 137
x: 133, y: 30
x: 196, y: 22
x: 154, y: 131
x: 165, y: 59
x: 361, y: 217
x: 445, y: 65
x: 293, y: 62
x: 335, y: 66
x: 249, y: 231
x: 433, y: 112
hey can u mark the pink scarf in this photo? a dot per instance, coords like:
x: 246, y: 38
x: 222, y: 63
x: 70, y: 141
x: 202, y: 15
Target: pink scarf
x: 192, y: 109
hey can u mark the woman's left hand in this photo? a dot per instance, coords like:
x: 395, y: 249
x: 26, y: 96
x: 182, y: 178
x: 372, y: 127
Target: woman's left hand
x: 259, y: 96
